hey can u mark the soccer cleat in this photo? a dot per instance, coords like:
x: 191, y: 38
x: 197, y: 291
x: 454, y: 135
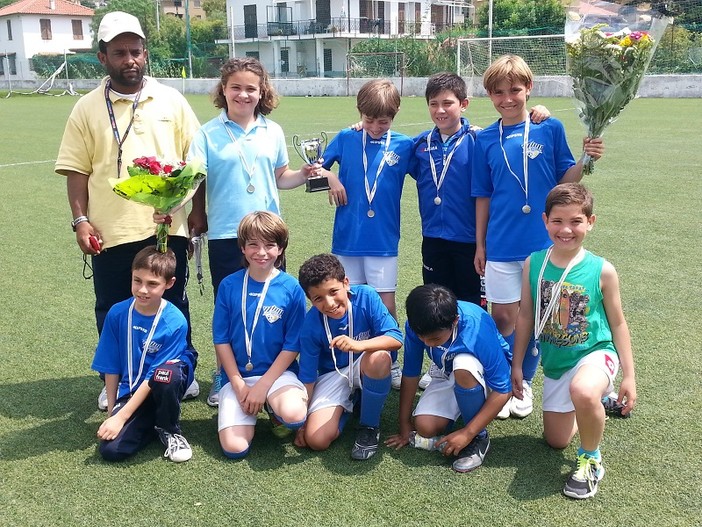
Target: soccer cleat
x: 504, y: 412
x: 428, y: 376
x: 102, y: 400
x: 177, y: 447
x: 522, y: 408
x: 366, y: 444
x: 472, y: 456
x: 192, y: 391
x: 395, y: 376
x: 584, y: 480
x: 612, y: 406
x: 213, y: 396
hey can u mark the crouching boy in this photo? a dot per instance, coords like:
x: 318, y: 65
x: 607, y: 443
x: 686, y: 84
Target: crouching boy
x: 472, y: 381
x: 347, y: 343
x: 147, y: 364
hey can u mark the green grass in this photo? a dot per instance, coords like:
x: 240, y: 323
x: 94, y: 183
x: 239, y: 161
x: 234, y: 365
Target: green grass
x: 648, y: 201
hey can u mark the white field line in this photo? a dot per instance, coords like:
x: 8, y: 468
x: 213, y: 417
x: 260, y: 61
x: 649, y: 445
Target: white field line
x: 28, y: 163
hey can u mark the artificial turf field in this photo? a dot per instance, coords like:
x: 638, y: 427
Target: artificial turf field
x: 648, y: 200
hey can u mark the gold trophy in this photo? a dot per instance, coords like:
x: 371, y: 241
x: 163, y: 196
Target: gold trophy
x: 311, y: 151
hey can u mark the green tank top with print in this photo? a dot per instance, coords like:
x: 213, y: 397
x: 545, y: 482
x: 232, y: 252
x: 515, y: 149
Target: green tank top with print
x: 578, y: 324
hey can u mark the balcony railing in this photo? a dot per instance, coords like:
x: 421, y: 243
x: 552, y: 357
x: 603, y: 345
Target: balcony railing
x: 342, y: 26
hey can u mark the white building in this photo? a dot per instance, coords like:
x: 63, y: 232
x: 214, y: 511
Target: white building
x: 33, y: 27
x: 299, y: 38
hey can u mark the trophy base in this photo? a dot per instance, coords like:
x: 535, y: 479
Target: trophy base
x: 317, y: 184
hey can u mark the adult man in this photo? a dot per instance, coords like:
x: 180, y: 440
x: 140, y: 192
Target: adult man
x: 128, y: 116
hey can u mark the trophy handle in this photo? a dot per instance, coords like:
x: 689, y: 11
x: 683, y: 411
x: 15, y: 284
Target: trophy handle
x: 297, y: 145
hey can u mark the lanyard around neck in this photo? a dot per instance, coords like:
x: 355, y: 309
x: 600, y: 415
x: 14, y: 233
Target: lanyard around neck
x: 438, y: 182
x: 145, y: 347
x: 113, y: 121
x: 541, y: 318
x: 249, y: 169
x: 244, y: 294
x: 525, y: 164
x: 454, y: 333
x: 370, y: 192
x: 349, y: 313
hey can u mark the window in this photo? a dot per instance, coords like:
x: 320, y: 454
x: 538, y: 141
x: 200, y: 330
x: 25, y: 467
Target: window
x: 13, y: 64
x: 253, y: 55
x: 2, y: 65
x: 77, y: 29
x: 45, y: 25
x: 9, y: 30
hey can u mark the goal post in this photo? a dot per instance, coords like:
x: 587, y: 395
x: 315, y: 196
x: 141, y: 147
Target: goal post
x: 375, y: 65
x: 545, y: 54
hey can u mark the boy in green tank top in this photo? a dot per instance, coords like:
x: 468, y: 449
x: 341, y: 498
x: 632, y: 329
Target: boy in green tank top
x: 571, y: 304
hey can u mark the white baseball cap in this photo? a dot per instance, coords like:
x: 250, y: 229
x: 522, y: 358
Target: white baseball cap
x: 117, y: 22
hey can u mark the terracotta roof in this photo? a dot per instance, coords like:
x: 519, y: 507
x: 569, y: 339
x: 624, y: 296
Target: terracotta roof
x: 43, y: 7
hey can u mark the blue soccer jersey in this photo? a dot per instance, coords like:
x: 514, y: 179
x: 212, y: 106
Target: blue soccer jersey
x: 278, y: 326
x: 513, y: 235
x: 477, y: 334
x: 451, y: 216
x: 168, y: 343
x: 355, y: 232
x: 370, y: 319
x: 241, y: 169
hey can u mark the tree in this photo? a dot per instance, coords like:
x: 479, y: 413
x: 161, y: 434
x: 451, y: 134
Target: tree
x: 530, y: 16
x: 215, y: 8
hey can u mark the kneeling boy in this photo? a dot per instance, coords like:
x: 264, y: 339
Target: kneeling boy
x: 583, y: 334
x: 147, y: 364
x: 346, y: 344
x: 473, y: 378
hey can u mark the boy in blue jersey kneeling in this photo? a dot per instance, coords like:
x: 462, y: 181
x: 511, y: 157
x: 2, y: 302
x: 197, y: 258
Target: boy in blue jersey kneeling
x: 462, y: 340
x: 347, y: 343
x: 256, y: 326
x: 144, y: 355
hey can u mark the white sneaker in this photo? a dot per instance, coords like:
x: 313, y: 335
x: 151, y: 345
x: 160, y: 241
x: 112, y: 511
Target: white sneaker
x: 192, y: 391
x: 524, y: 407
x: 504, y: 412
x: 428, y: 376
x: 395, y: 375
x: 177, y: 447
x: 102, y: 400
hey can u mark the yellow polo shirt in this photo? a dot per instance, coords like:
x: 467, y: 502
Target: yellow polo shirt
x: 164, y: 124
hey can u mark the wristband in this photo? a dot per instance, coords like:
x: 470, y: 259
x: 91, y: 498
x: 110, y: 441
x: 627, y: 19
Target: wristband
x: 77, y: 221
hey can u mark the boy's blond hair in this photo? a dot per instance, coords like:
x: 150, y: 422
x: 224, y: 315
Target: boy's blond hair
x: 512, y: 68
x: 151, y: 259
x: 378, y: 98
x: 265, y: 226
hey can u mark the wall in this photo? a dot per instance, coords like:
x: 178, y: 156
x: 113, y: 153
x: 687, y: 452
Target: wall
x: 673, y: 86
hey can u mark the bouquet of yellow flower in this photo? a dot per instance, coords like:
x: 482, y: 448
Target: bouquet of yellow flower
x: 163, y: 186
x: 607, y: 62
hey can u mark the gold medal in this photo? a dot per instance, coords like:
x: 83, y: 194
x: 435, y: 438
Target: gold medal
x: 249, y: 366
x: 526, y: 209
x: 437, y: 200
x: 371, y: 213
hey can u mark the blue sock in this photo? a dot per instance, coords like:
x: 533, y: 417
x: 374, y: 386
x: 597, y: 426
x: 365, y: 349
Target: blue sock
x: 236, y: 455
x: 292, y: 426
x: 531, y: 361
x: 373, y: 395
x: 590, y: 453
x: 470, y: 401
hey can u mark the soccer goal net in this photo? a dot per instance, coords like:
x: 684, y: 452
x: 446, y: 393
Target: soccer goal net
x: 545, y: 54
x: 375, y: 65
